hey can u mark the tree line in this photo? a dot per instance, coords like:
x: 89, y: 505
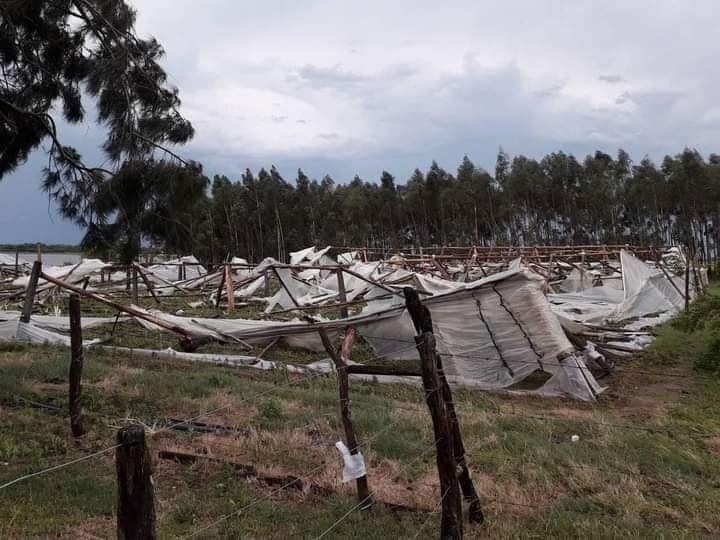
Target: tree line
x: 555, y: 200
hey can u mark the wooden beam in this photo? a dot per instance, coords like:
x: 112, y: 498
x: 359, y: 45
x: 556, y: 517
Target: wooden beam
x: 340, y: 361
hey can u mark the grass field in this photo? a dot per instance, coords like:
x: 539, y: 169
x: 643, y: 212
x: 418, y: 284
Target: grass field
x: 647, y: 463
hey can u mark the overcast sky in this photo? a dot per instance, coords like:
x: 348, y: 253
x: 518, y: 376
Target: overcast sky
x: 347, y: 88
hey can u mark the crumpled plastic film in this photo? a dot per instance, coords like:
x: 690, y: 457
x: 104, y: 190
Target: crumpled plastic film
x: 354, y: 464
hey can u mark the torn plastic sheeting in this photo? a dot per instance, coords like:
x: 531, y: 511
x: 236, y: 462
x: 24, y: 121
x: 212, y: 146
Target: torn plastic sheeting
x: 75, y: 271
x: 353, y: 464
x: 233, y: 360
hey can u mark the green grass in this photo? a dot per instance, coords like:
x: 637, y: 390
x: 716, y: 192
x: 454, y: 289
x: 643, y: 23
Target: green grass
x: 647, y: 463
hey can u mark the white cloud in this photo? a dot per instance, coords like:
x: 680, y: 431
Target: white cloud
x: 358, y: 81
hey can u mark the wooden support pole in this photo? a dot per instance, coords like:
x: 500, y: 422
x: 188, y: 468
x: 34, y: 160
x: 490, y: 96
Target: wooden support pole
x: 76, y: 367
x: 17, y: 263
x: 134, y: 284
x: 220, y: 289
x: 229, y: 287
x: 451, y: 526
x: 188, y: 340
x: 475, y: 513
x: 341, y: 366
x: 30, y: 291
x: 341, y: 293
x: 136, y: 499
x: 147, y: 282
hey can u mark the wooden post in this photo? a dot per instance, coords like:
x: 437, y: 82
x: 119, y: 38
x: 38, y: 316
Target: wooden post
x: 76, y: 367
x: 134, y: 284
x: 475, y: 513
x: 147, y: 282
x: 30, y: 292
x: 267, y: 284
x: 17, y: 263
x: 341, y: 293
x: 341, y: 366
x: 451, y: 520
x: 229, y: 287
x: 220, y: 289
x: 136, y: 500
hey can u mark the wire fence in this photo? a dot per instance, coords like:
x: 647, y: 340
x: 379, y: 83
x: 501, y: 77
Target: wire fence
x: 498, y: 411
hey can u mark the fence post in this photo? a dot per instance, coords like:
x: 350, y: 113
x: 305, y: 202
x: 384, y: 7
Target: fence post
x: 136, y: 500
x: 339, y: 359
x: 342, y: 296
x: 30, y: 292
x: 451, y: 503
x: 475, y: 513
x: 134, y: 283
x: 76, y: 367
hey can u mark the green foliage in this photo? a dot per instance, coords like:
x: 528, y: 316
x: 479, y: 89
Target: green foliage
x: 52, y: 54
x: 693, y: 335
x: 703, y: 312
x: 709, y: 359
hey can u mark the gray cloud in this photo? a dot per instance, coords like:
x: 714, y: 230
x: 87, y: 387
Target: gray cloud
x: 611, y: 79
x: 328, y: 77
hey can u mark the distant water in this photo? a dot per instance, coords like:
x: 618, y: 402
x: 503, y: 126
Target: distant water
x: 50, y: 259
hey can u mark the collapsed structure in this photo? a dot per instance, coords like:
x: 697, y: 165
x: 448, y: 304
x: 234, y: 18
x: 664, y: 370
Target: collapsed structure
x: 497, y: 321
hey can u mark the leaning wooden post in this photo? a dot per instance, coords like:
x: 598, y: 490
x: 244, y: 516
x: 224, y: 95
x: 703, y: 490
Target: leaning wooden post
x: 475, y: 513
x: 30, y: 292
x: 451, y: 502
x: 341, y: 366
x: 342, y: 297
x: 220, y: 288
x: 76, y: 367
x: 147, y: 282
x: 136, y: 500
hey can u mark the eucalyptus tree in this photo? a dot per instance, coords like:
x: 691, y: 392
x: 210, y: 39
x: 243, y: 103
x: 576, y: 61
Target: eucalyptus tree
x: 56, y: 56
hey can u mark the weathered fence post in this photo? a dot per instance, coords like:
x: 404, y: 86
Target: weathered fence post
x: 76, y: 367
x: 451, y: 502
x: 341, y: 366
x: 475, y: 513
x: 136, y: 499
x: 30, y: 292
x: 220, y: 288
x: 342, y: 297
